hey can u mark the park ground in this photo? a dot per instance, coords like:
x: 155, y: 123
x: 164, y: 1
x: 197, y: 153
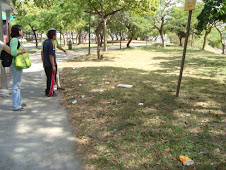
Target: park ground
x: 147, y: 126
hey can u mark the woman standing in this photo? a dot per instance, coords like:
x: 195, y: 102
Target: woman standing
x: 16, y: 33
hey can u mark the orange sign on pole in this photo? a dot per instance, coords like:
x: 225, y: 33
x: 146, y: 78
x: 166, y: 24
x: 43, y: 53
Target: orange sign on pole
x: 190, y: 5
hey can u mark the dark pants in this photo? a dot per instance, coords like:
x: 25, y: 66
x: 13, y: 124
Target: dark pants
x: 51, y: 78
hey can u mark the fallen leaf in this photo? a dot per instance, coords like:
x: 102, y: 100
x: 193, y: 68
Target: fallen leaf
x: 217, y: 150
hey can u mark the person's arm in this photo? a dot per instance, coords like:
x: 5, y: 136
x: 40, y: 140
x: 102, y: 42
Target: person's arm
x: 60, y: 48
x: 51, y: 57
x: 42, y: 56
x: 13, y: 48
x: 6, y: 48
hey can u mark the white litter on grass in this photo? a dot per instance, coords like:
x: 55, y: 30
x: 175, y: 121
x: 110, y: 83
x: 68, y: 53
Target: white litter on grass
x: 141, y: 104
x: 125, y: 85
x: 73, y: 68
x: 79, y: 85
x: 60, y: 69
x: 188, y: 115
x: 83, y: 96
x: 74, y: 102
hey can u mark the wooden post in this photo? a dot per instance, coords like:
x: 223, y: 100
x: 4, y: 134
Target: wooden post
x: 8, y: 24
x: 3, y: 72
x: 120, y: 40
x: 89, y: 32
x: 184, y: 53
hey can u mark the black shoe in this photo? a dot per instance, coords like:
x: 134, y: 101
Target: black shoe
x: 60, y: 88
x: 23, y: 105
x: 20, y: 109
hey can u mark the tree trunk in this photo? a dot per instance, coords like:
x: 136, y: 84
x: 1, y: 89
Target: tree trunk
x: 112, y: 38
x: 163, y: 40
x: 34, y: 32
x: 180, y: 39
x: 161, y: 33
x: 79, y: 36
x: 64, y: 39
x: 116, y: 37
x: 101, y: 39
x: 204, y: 39
x: 97, y: 31
x: 105, y: 34
x: 222, y: 42
x: 130, y: 40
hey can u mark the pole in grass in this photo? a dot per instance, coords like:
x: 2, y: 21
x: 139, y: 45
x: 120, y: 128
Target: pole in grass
x: 89, y: 32
x: 189, y: 6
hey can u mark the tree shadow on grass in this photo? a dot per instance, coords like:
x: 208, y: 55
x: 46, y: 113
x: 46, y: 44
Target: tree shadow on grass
x: 119, y: 133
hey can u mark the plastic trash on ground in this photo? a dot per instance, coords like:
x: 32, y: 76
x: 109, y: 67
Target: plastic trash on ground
x: 43, y: 74
x: 125, y: 85
x: 186, y: 160
x: 74, y: 102
x: 140, y: 104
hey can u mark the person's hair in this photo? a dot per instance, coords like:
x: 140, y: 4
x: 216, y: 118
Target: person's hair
x: 15, y: 30
x: 51, y: 33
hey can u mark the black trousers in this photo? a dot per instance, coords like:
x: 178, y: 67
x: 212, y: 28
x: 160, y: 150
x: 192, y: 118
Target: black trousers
x: 51, y: 78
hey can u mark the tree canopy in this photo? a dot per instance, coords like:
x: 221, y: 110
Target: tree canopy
x: 214, y: 10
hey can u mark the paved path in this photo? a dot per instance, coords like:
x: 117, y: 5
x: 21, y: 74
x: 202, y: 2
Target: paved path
x: 39, y: 138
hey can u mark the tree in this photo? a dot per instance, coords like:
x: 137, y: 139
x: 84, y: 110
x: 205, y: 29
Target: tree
x: 137, y: 26
x: 214, y: 11
x: 28, y: 16
x: 177, y: 21
x: 221, y: 27
x: 159, y: 20
x: 106, y: 9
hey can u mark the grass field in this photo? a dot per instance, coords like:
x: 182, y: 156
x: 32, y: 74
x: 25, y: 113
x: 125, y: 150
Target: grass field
x: 114, y: 131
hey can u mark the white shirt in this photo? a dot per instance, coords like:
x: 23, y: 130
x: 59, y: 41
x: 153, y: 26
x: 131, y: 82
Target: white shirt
x: 1, y: 46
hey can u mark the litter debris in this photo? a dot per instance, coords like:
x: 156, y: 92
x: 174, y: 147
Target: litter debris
x: 73, y: 68
x: 83, y: 96
x: 125, y: 85
x: 79, y: 85
x: 141, y: 104
x: 43, y: 74
x: 204, y: 153
x: 186, y: 160
x: 188, y: 115
x: 60, y: 69
x: 74, y: 102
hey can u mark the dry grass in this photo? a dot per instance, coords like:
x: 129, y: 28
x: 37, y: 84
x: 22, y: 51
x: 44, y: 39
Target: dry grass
x: 114, y: 132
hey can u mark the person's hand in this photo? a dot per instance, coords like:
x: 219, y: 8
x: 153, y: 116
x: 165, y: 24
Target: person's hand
x: 24, y: 50
x: 66, y: 53
x: 54, y: 69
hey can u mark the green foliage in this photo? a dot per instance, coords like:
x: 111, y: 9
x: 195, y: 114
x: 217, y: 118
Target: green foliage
x: 214, y: 39
x: 214, y: 10
x: 106, y: 8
